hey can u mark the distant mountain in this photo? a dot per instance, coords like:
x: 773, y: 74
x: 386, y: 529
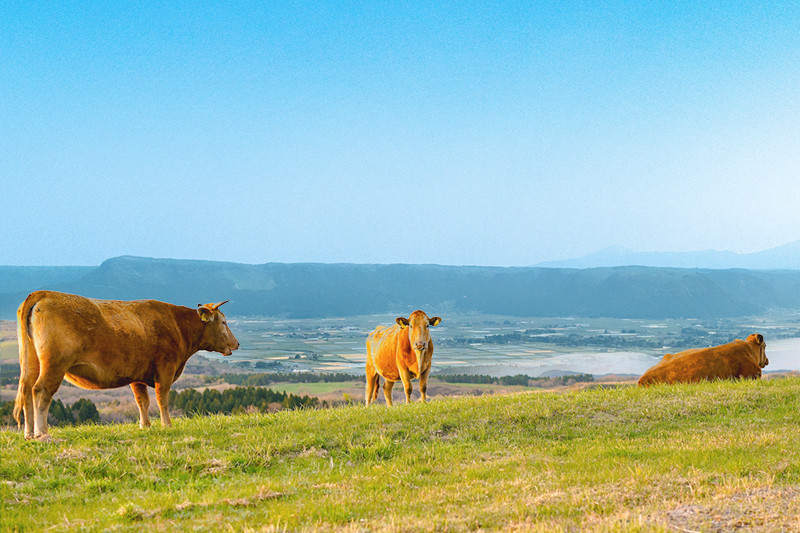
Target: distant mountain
x: 786, y: 257
x: 27, y: 278
x: 326, y: 290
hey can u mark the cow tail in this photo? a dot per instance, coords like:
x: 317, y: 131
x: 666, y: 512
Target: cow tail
x: 28, y: 360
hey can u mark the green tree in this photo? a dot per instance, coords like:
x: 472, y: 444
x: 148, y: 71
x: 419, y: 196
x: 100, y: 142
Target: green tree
x: 59, y: 414
x: 85, y: 412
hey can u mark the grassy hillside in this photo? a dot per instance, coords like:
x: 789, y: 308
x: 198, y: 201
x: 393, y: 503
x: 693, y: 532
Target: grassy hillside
x: 703, y: 457
x: 330, y: 290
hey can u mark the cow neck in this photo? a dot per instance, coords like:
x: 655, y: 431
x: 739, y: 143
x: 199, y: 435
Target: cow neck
x: 193, y: 331
x: 405, y: 348
x: 753, y: 352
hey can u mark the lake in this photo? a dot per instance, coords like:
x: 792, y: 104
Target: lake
x: 783, y: 354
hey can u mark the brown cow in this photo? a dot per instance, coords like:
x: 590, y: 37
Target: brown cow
x: 102, y: 344
x: 400, y: 352
x: 737, y: 359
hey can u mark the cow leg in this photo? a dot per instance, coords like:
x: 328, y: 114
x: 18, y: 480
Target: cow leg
x: 423, y: 385
x: 372, y: 384
x: 142, y: 402
x: 29, y: 373
x: 372, y: 388
x: 387, y: 391
x: 26, y: 392
x: 162, y: 397
x: 406, y: 378
x: 46, y: 386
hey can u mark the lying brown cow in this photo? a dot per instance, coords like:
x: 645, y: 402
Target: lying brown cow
x: 737, y: 359
x: 400, y: 352
x: 102, y: 344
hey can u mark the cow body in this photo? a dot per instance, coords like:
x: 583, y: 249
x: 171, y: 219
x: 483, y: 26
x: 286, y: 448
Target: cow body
x: 401, y: 352
x: 742, y: 359
x: 102, y: 344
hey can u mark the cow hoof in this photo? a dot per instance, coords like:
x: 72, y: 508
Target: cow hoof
x: 47, y: 438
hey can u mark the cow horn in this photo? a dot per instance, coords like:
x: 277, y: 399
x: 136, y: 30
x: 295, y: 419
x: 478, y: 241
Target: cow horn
x: 216, y: 306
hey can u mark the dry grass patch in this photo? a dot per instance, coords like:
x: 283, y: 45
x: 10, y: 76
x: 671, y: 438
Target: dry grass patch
x: 757, y: 509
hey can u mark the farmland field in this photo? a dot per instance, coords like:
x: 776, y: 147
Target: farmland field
x: 491, y: 344
x: 498, y: 345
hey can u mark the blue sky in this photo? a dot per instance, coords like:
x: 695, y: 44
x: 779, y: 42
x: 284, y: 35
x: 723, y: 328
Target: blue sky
x: 480, y: 133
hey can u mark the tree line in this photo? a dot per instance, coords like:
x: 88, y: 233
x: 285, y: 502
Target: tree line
x: 238, y: 400
x: 83, y: 411
x: 189, y: 401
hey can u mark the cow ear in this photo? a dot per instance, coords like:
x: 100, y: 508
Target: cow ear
x: 402, y: 321
x: 760, y: 338
x: 204, y: 312
x: 435, y: 321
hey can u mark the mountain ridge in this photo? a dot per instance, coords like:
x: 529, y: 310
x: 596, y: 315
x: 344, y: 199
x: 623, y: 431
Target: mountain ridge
x: 784, y: 257
x: 316, y: 290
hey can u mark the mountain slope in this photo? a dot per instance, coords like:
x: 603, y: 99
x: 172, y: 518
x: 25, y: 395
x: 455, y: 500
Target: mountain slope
x: 325, y: 290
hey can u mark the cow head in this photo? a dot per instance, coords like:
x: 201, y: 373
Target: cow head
x: 758, y: 340
x: 419, y: 334
x: 217, y: 337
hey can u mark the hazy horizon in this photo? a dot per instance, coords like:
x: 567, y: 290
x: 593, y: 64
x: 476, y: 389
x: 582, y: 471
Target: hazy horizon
x: 503, y: 134
x: 545, y: 263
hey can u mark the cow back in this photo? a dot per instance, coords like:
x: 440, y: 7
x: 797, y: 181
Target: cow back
x: 109, y: 343
x: 738, y: 359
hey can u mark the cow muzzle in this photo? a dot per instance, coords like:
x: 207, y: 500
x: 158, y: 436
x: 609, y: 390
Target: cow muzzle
x: 228, y: 350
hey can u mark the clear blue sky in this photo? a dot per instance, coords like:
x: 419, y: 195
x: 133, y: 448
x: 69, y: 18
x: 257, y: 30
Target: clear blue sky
x: 484, y: 133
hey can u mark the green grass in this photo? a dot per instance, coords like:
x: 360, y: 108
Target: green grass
x: 625, y: 459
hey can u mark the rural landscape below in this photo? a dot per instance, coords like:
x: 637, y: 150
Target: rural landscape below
x: 287, y: 319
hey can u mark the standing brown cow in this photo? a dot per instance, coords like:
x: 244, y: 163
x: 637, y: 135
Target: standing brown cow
x: 103, y: 344
x: 737, y: 359
x: 400, y: 352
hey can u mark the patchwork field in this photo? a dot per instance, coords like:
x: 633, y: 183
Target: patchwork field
x: 497, y: 345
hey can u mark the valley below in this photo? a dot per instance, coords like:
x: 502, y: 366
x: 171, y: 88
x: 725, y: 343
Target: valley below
x: 612, y: 351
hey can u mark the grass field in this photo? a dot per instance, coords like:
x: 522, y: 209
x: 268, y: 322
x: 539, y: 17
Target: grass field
x: 710, y: 457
